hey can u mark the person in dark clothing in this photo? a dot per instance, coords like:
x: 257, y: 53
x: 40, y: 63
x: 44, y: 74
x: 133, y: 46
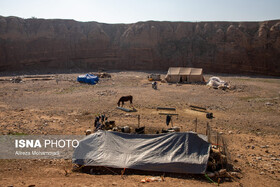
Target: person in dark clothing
x: 96, y: 121
x: 168, y: 119
x: 154, y: 85
x: 102, y: 118
x: 98, y: 126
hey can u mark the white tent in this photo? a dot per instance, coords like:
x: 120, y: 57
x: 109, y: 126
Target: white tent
x: 184, y: 74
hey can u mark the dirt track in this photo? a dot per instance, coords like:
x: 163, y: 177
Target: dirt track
x: 248, y: 117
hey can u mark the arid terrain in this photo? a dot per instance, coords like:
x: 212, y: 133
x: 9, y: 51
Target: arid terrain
x: 248, y: 117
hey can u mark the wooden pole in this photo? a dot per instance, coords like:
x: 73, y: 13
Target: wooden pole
x: 168, y: 114
x: 207, y: 131
x: 193, y: 106
x: 164, y: 108
x: 195, y: 124
x: 217, y: 142
x: 138, y: 121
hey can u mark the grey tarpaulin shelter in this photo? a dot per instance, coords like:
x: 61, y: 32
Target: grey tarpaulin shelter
x: 185, y: 152
x: 183, y: 74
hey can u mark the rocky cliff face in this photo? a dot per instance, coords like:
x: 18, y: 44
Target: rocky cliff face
x: 221, y: 47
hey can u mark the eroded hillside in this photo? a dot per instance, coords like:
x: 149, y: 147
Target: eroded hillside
x: 221, y: 47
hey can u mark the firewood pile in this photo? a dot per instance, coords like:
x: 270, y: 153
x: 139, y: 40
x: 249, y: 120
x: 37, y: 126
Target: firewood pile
x: 218, y: 166
x: 104, y: 75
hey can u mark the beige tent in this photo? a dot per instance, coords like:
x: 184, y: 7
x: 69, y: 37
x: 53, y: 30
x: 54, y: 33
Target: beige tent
x: 183, y: 74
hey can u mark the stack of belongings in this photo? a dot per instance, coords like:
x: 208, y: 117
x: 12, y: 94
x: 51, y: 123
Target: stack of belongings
x: 216, y: 82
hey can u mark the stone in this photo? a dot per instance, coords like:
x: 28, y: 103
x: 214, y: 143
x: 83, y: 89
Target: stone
x: 269, y: 104
x: 258, y: 158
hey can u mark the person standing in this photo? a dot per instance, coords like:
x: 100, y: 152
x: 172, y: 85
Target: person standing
x: 168, y: 119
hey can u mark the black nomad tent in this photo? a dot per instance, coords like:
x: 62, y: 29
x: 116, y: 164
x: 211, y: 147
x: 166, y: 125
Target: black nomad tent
x: 184, y: 152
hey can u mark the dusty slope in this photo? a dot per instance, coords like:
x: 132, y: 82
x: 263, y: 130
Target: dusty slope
x: 226, y: 47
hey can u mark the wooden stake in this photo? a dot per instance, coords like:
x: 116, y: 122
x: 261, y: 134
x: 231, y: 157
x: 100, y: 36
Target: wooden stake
x: 217, y: 143
x: 207, y: 131
x: 138, y: 121
x: 195, y: 125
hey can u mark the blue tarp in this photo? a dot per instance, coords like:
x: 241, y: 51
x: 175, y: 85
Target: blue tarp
x: 88, y: 78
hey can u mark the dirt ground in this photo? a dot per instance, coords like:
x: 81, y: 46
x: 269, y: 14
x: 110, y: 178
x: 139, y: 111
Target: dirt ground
x: 247, y: 116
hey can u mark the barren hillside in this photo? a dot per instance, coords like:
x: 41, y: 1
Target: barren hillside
x: 221, y: 47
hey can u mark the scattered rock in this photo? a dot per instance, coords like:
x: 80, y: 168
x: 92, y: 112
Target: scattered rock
x: 258, y: 158
x: 264, y: 146
x: 262, y: 173
x: 269, y: 104
x: 236, y: 169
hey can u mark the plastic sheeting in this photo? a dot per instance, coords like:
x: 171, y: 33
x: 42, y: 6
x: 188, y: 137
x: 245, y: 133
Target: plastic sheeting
x: 174, y: 152
x: 88, y: 78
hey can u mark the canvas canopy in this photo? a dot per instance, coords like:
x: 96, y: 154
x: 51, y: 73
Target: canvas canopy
x: 88, y: 78
x: 183, y: 74
x: 185, y: 152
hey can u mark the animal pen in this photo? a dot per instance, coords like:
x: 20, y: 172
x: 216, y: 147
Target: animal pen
x: 214, y: 137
